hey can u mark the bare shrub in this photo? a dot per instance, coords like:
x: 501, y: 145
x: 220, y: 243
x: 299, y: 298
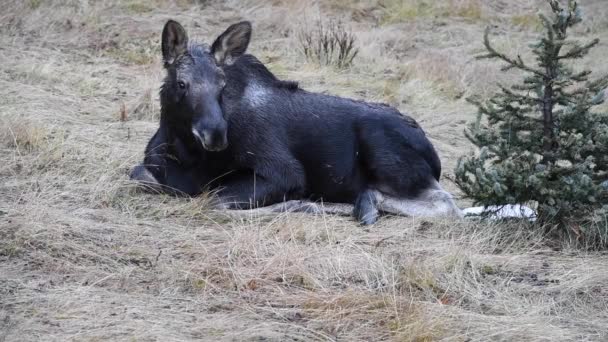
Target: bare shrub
x: 22, y: 134
x: 328, y: 44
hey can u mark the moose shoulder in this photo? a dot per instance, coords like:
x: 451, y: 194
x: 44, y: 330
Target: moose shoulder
x: 228, y: 124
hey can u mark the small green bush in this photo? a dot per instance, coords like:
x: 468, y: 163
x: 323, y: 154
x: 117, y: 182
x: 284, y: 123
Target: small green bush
x: 541, y: 140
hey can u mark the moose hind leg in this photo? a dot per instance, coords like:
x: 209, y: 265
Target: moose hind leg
x: 365, y: 210
x: 306, y: 207
x: 432, y: 202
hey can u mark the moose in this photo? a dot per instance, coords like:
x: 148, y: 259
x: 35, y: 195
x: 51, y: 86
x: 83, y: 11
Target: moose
x: 230, y: 126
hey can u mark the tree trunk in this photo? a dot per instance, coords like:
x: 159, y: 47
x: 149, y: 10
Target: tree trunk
x: 548, y: 118
x: 548, y: 104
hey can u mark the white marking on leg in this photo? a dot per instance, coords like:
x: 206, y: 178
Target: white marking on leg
x: 303, y: 206
x: 434, y: 202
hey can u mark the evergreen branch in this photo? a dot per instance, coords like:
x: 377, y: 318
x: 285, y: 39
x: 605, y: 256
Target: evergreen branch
x: 574, y: 93
x: 550, y: 30
x: 579, y: 51
x: 528, y: 87
x: 513, y: 63
x: 581, y: 76
x: 520, y: 97
x: 555, y: 6
x: 564, y: 18
x: 599, y: 84
x: 566, y: 98
x: 482, y: 108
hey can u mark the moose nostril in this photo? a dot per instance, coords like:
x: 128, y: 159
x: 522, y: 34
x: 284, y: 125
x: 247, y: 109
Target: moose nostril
x: 222, y: 140
x: 218, y: 137
x: 224, y: 144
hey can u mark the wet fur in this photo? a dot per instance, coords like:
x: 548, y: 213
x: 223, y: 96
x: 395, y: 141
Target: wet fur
x: 286, y: 143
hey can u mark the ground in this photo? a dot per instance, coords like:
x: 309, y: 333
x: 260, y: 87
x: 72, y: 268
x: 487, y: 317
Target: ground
x: 85, y: 257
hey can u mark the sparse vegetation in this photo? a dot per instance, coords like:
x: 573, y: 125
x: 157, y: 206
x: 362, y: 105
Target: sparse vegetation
x: 83, y: 256
x: 35, y: 3
x: 138, y: 7
x: 407, y: 10
x: 527, y: 21
x: 140, y: 52
x: 22, y: 134
x: 328, y: 44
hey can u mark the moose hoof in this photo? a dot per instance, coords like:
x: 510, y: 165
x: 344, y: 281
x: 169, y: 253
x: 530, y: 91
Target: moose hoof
x: 365, y: 210
x: 144, y: 178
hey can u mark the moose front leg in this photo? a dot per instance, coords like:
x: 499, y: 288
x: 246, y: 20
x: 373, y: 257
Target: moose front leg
x: 161, y: 171
x: 167, y: 176
x: 149, y: 173
x: 145, y: 178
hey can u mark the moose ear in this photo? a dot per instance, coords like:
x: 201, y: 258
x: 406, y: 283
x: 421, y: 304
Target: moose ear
x: 232, y: 43
x: 174, y: 41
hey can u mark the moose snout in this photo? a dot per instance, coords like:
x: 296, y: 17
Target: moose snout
x: 209, y: 127
x: 212, y: 139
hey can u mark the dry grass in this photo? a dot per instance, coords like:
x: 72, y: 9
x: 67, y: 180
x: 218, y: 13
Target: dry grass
x: 408, y: 10
x: 84, y: 257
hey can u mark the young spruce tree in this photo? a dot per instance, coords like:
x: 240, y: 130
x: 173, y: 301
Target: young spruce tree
x: 541, y: 141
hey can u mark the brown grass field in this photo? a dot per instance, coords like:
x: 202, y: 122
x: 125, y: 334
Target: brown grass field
x: 84, y: 257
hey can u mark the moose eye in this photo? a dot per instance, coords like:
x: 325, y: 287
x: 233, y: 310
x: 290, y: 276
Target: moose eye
x: 181, y: 85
